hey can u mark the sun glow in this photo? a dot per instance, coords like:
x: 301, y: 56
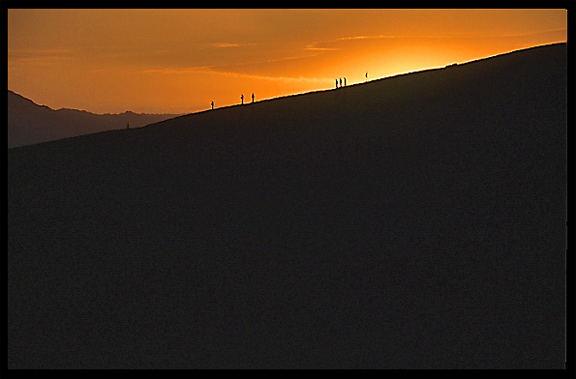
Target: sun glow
x: 178, y: 61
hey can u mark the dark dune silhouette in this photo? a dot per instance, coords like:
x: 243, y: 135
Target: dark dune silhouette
x: 410, y: 222
x: 30, y: 123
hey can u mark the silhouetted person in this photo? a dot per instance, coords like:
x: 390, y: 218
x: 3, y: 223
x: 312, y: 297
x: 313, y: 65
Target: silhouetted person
x: 344, y: 81
x: 366, y: 75
x: 242, y: 98
x: 340, y: 82
x: 252, y: 98
x: 336, y: 83
x: 212, y: 104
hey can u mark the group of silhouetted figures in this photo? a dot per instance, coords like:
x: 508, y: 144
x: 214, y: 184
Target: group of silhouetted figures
x: 241, y: 99
x: 340, y: 82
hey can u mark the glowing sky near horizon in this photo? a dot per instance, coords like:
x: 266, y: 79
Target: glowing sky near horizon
x: 178, y: 61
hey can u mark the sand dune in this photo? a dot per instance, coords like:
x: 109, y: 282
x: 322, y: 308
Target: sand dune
x: 410, y: 222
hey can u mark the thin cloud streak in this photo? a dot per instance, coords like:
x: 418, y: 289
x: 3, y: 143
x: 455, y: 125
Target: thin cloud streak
x: 531, y: 34
x: 227, y: 67
x: 315, y: 48
x: 207, y: 71
x: 463, y: 35
x: 231, y: 44
x: 38, y: 56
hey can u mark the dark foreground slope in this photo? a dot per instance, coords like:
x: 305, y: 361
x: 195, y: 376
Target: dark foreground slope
x: 411, y: 222
x: 30, y: 123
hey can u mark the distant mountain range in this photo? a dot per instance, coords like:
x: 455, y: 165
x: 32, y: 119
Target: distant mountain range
x: 412, y: 222
x: 30, y: 123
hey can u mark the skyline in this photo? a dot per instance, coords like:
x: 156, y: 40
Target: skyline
x: 178, y: 61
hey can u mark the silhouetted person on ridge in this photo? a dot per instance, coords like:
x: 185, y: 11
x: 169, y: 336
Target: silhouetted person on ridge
x: 242, y: 98
x: 344, y: 81
x: 212, y: 104
x: 336, y: 83
x: 340, y: 82
x: 252, y: 98
x: 366, y: 76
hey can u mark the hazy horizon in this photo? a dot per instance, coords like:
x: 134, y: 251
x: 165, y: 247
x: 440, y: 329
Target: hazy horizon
x: 158, y: 61
x: 85, y: 110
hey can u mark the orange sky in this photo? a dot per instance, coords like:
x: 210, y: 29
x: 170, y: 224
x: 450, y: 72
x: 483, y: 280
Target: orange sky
x: 177, y: 61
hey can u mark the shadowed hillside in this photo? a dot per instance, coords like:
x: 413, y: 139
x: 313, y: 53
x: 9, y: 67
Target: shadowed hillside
x: 410, y: 222
x: 30, y: 123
